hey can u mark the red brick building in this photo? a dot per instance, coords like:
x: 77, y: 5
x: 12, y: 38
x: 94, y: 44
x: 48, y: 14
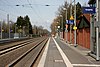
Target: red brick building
x: 83, y: 32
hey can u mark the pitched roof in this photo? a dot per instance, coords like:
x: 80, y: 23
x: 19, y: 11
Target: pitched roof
x: 87, y: 16
x: 83, y: 23
x: 91, y: 1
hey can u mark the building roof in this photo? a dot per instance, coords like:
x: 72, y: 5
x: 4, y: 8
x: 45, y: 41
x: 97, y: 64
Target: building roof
x: 91, y: 1
x: 87, y: 16
x: 83, y: 23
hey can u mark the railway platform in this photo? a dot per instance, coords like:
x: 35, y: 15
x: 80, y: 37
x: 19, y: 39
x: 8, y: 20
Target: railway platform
x: 60, y: 54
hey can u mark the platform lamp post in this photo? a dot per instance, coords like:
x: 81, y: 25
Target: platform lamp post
x: 66, y: 20
x: 58, y: 31
x: 75, y: 23
x: 97, y: 28
x: 70, y: 24
x: 61, y: 24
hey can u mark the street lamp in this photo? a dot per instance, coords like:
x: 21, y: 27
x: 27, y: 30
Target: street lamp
x: 58, y: 31
x: 66, y: 20
x: 75, y: 23
x: 62, y: 24
x: 97, y: 29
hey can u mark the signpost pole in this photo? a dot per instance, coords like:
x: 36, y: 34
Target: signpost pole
x: 67, y: 27
x: 71, y: 21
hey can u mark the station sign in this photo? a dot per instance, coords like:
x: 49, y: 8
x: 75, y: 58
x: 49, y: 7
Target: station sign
x: 90, y: 10
x: 69, y: 21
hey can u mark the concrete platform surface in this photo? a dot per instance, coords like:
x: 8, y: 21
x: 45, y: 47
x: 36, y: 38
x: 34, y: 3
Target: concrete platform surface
x: 60, y: 54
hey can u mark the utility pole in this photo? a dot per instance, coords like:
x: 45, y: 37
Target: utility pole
x: 75, y: 23
x: 71, y: 8
x: 1, y: 29
x: 8, y: 24
x: 15, y: 28
x: 97, y: 29
x: 65, y: 9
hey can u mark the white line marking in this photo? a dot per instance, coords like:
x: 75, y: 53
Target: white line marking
x: 43, y: 58
x: 92, y: 65
x: 58, y: 60
x: 67, y: 62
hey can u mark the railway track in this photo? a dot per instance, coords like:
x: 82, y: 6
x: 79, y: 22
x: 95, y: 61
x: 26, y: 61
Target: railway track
x: 4, y: 46
x: 3, y: 41
x: 13, y: 47
x: 22, y: 55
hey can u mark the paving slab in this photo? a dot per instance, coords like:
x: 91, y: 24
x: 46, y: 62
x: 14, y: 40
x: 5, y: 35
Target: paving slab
x: 59, y: 50
x: 78, y: 56
x: 53, y: 58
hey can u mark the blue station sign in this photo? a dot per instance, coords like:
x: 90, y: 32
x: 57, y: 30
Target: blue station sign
x: 69, y: 21
x: 90, y: 10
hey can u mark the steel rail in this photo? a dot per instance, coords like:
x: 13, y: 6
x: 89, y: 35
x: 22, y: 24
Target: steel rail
x: 8, y: 49
x: 27, y: 52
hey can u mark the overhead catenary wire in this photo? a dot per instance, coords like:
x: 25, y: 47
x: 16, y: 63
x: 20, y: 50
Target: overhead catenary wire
x: 5, y: 14
x: 13, y: 7
x: 6, y: 4
x: 22, y: 5
x: 34, y: 10
x: 27, y: 7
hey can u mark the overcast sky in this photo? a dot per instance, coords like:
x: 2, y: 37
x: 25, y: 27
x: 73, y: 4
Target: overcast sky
x: 39, y: 13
